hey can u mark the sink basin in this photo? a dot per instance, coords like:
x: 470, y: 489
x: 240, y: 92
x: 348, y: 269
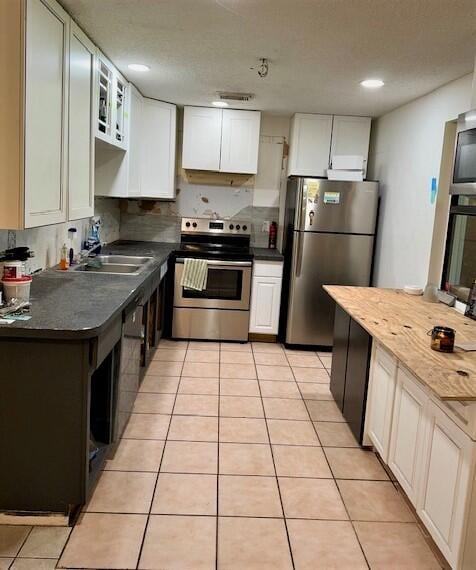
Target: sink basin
x: 113, y: 264
x: 109, y: 268
x: 123, y: 259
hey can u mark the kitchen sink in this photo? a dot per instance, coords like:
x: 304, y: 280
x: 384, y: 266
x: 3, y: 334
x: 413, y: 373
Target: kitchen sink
x: 123, y: 259
x: 113, y: 264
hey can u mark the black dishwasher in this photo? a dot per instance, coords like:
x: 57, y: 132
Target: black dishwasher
x: 350, y: 370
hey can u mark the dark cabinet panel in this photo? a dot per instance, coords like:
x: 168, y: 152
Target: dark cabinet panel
x: 339, y: 355
x: 350, y: 370
x: 355, y: 399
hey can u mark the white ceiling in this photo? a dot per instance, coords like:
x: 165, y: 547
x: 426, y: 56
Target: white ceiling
x: 319, y: 50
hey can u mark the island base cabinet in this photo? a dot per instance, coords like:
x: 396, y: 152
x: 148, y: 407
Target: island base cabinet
x: 407, y: 433
x: 383, y: 374
x: 446, y: 482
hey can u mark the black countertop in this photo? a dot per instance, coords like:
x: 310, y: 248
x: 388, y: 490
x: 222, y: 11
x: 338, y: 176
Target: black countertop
x: 265, y: 254
x: 79, y: 305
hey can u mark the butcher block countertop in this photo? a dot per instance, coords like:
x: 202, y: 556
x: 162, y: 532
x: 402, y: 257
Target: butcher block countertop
x: 400, y: 322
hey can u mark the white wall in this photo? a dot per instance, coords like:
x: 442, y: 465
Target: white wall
x: 405, y: 154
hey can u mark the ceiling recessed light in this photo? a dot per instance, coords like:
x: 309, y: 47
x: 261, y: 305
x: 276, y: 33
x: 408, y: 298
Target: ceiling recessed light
x: 220, y: 103
x: 138, y: 67
x: 372, y: 83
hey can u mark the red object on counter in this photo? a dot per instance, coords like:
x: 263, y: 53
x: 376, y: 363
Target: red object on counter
x: 273, y: 234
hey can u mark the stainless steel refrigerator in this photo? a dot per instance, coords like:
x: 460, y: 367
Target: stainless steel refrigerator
x: 329, y: 240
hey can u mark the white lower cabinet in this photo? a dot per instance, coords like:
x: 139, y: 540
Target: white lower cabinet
x: 266, y: 297
x: 446, y: 482
x: 432, y: 457
x: 407, y: 433
x: 380, y: 401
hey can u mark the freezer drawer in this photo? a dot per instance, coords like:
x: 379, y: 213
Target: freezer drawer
x: 323, y: 259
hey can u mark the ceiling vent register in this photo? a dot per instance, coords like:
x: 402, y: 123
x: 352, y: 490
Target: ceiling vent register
x: 229, y: 96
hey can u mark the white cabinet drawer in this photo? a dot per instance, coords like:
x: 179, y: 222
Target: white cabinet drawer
x: 268, y: 268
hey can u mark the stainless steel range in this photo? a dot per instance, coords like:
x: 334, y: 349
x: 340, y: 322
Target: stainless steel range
x: 221, y: 310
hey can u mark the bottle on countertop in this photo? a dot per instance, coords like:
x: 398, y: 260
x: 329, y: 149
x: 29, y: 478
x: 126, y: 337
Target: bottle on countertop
x: 273, y: 234
x: 63, y: 264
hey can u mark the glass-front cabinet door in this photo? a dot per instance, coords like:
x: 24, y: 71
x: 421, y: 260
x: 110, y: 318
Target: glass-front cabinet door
x: 112, y: 101
x: 105, y: 81
x: 120, y: 108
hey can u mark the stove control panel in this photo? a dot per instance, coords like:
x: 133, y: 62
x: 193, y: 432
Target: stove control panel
x: 208, y: 226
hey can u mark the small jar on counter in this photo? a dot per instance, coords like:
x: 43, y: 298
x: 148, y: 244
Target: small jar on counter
x: 442, y: 339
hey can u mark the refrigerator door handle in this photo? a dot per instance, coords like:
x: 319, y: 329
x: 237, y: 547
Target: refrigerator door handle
x: 298, y: 254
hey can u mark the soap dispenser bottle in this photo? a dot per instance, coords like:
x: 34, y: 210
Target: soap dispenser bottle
x: 63, y: 264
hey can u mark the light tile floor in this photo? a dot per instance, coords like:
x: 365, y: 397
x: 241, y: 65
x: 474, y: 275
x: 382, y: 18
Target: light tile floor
x: 235, y: 458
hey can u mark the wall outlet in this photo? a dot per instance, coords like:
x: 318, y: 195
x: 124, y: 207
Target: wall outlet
x: 265, y: 226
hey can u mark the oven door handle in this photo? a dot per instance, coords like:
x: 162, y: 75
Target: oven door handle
x: 220, y: 262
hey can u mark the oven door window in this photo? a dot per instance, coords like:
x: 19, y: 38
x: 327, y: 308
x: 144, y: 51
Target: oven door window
x: 224, y: 284
x: 465, y: 159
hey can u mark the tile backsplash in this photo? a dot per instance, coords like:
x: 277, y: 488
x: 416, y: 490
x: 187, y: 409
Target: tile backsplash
x: 254, y: 199
x: 160, y: 221
x: 46, y: 241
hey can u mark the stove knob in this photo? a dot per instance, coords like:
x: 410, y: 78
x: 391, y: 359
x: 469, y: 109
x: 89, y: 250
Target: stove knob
x: 194, y: 225
x: 187, y: 224
x: 238, y: 226
x: 245, y: 228
x: 231, y: 226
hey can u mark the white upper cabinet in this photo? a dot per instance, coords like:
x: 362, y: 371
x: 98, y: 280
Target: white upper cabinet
x: 310, y: 144
x: 222, y: 140
x: 316, y: 138
x: 240, y: 141
x: 112, y: 103
x: 351, y: 136
x: 135, y: 142
x: 158, y: 128
x: 147, y: 169
x: 81, y: 116
x: 34, y: 113
x: 46, y: 113
x: 201, y: 138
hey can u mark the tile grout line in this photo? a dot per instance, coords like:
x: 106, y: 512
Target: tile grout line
x: 14, y: 558
x: 334, y: 478
x: 158, y: 471
x: 218, y: 461
x: 275, y: 471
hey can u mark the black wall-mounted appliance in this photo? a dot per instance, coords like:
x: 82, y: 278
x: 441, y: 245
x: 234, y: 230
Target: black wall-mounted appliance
x: 464, y: 170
